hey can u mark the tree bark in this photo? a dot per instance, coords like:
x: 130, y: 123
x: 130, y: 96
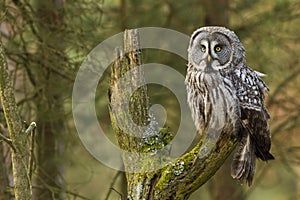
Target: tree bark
x: 22, y: 186
x: 4, y: 182
x: 171, y: 178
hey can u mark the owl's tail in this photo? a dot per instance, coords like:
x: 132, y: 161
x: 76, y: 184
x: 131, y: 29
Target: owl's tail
x: 244, y: 161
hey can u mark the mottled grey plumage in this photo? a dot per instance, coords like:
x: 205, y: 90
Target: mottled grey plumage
x: 225, y: 95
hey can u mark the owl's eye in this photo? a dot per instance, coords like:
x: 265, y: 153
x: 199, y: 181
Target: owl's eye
x: 218, y: 48
x: 203, y: 48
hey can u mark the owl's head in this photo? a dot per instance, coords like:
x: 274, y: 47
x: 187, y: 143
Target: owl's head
x: 212, y: 48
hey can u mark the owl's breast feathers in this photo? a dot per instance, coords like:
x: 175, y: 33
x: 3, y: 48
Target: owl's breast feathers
x: 212, y: 103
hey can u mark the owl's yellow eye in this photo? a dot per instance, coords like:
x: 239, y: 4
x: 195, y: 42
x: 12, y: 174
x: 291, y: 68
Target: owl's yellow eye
x: 203, y: 48
x: 218, y: 48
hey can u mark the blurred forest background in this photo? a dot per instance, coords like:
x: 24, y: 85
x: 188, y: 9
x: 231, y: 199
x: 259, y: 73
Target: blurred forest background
x: 46, y: 42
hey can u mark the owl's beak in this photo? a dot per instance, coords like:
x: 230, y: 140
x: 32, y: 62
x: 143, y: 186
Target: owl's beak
x: 208, y: 58
x: 208, y: 67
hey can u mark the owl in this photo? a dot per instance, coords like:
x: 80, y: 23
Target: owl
x: 227, y: 96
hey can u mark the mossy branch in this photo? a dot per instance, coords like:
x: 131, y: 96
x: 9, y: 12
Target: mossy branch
x: 150, y: 173
x: 18, y: 138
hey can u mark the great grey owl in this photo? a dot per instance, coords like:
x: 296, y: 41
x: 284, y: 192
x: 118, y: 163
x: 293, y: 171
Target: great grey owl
x: 226, y: 95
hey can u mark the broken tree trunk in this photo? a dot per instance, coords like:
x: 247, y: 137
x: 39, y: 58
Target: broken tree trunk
x: 150, y: 172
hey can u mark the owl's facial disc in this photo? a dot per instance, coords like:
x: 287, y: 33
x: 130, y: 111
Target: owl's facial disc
x: 210, y: 51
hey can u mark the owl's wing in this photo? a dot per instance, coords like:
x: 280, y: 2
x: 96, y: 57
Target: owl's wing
x: 251, y: 91
x: 255, y: 123
x: 255, y: 132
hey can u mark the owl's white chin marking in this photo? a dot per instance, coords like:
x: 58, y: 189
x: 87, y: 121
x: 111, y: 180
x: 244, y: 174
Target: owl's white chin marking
x: 216, y: 65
